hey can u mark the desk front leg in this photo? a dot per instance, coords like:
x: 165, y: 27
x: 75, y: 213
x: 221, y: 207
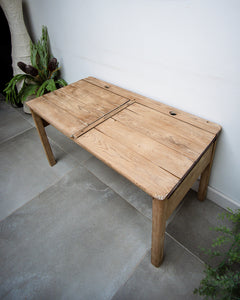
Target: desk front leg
x: 162, y: 209
x: 43, y: 136
x: 159, y: 217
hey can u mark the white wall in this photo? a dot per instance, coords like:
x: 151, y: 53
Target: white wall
x: 182, y: 52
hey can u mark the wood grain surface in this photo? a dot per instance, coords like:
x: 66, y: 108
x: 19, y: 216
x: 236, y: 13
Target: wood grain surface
x: 149, y: 177
x: 151, y: 144
x: 76, y: 106
x: 180, y: 115
x: 162, y: 156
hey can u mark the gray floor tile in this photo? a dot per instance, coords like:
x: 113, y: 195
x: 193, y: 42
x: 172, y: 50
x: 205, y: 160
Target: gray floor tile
x: 27, y: 117
x: 25, y: 171
x: 60, y: 139
x: 179, y: 274
x: 130, y: 192
x: 191, y: 225
x: 11, y: 122
x: 76, y: 240
x: 67, y: 145
x: 140, y: 200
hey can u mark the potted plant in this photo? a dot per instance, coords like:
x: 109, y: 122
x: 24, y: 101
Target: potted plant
x: 222, y: 281
x: 41, y: 77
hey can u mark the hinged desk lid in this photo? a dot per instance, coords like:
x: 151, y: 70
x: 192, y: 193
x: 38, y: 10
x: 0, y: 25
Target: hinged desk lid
x: 75, y: 109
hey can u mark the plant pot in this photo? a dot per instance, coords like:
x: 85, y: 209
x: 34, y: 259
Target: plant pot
x: 26, y: 109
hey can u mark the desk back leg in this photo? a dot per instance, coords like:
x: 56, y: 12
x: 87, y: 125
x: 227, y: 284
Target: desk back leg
x: 44, y: 139
x: 205, y: 176
x: 159, y: 215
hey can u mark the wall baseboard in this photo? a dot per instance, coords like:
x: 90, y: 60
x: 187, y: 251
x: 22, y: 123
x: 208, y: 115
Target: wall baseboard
x: 218, y: 198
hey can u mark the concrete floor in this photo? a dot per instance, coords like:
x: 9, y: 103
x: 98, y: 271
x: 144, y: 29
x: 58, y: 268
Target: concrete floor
x: 79, y: 230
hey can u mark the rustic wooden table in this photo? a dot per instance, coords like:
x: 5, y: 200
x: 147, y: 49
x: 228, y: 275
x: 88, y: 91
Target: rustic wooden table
x: 160, y: 149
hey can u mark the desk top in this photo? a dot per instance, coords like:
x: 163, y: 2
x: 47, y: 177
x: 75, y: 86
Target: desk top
x: 153, y: 145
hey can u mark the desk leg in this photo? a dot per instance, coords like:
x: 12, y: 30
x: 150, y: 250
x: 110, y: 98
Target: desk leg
x: 205, y: 176
x: 44, y: 139
x: 159, y: 212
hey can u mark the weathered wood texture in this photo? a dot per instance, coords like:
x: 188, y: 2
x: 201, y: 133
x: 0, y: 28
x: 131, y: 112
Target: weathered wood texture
x: 159, y: 209
x: 76, y: 106
x: 40, y: 124
x: 180, y: 115
x: 103, y: 118
x: 188, y: 181
x: 160, y: 149
x: 138, y: 137
x: 141, y: 171
x: 205, y: 176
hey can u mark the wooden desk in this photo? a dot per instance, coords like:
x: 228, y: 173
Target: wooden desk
x: 160, y: 149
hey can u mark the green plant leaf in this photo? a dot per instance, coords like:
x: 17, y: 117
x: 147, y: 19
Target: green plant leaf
x: 42, y: 88
x: 40, y: 55
x: 27, y: 90
x: 45, y: 81
x: 51, y: 86
x: 54, y: 73
x: 48, y: 86
x: 61, y: 82
x: 223, y: 281
x: 10, y: 90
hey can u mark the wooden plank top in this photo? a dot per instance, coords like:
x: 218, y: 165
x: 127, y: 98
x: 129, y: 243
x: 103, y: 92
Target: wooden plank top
x: 179, y: 114
x: 153, y: 145
x: 76, y: 106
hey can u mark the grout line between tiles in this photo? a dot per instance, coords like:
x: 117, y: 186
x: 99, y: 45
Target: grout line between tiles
x: 84, y: 166
x: 194, y: 255
x: 19, y: 133
x: 59, y: 146
x: 149, y: 218
x: 22, y: 115
x: 48, y: 187
x: 131, y: 274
